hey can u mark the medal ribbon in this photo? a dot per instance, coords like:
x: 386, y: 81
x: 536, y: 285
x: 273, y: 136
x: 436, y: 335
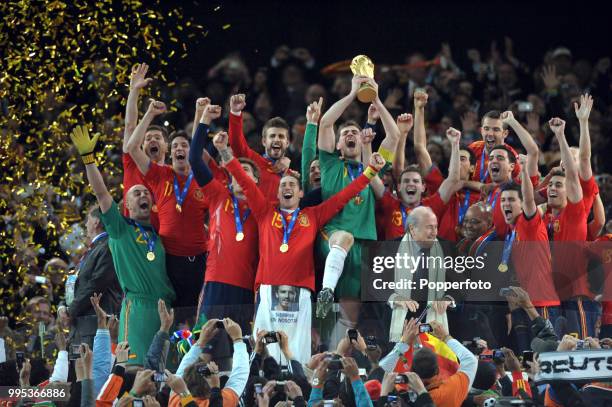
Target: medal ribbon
x: 353, y: 176
x: 149, y: 239
x: 483, y: 176
x: 404, y: 216
x: 180, y: 196
x: 288, y: 229
x: 464, y: 207
x: 508, y: 247
x: 493, y: 198
x: 239, y: 222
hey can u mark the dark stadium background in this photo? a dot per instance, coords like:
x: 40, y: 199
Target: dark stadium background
x: 388, y: 31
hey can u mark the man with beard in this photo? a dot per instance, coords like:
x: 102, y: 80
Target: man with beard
x: 275, y: 139
x: 138, y: 255
x: 526, y: 249
x: 341, y: 238
x: 494, y: 132
x: 567, y: 227
x: 181, y: 207
x: 287, y: 235
x: 155, y: 143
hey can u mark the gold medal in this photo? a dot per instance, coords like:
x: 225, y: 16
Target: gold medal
x: 150, y: 256
x: 239, y: 236
x: 178, y: 208
x: 503, y: 267
x: 284, y: 247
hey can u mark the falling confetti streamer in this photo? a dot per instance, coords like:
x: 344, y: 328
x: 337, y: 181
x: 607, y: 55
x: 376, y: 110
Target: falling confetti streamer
x: 66, y: 63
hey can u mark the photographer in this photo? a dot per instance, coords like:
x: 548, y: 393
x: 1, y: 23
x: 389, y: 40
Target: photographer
x: 199, y: 379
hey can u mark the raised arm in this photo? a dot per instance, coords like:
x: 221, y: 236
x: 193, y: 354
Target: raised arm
x: 134, y: 146
x: 572, y: 183
x: 237, y: 140
x: 327, y: 138
x: 526, y: 140
x: 368, y: 134
x: 257, y: 201
x: 201, y: 171
x: 201, y: 104
x: 137, y: 82
x: 420, y: 139
x: 392, y: 133
x: 452, y: 183
x: 85, y: 146
x: 529, y: 204
x: 404, y: 124
x: 584, y: 156
x: 309, y: 146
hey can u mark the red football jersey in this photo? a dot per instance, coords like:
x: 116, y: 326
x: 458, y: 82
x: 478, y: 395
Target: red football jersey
x: 482, y: 163
x: 569, y: 231
x: 230, y: 261
x: 532, y: 262
x: 182, y: 233
x: 296, y: 266
x: 499, y: 220
x: 132, y: 176
x: 268, y: 179
x: 392, y: 219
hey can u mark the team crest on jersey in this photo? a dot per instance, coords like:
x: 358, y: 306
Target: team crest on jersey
x: 154, y: 208
x: 358, y: 200
x: 197, y: 194
x: 303, y: 219
x: 556, y: 226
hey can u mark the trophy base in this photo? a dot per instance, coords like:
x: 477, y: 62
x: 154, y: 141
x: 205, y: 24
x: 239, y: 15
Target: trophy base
x: 366, y: 93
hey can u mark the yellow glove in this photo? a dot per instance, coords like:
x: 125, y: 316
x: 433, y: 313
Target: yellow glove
x: 84, y: 144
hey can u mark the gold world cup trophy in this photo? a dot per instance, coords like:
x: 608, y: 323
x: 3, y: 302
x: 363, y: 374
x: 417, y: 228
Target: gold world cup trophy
x: 362, y: 65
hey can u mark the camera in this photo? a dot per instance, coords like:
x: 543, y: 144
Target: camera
x: 258, y: 388
x: 425, y: 328
x: 371, y: 342
x: 279, y: 387
x: 219, y: 325
x: 401, y: 379
x: 159, y: 377
x: 527, y: 357
x: 334, y: 362
x: 581, y: 345
x: 504, y: 292
x: 204, y: 371
x: 525, y: 107
x: 137, y: 403
x: 20, y: 358
x: 352, y: 335
x: 75, y: 352
x: 328, y: 403
x: 270, y: 337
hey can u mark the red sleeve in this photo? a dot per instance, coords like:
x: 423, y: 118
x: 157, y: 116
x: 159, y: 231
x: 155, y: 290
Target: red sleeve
x: 237, y: 141
x: 589, y: 191
x: 518, y: 383
x: 436, y: 204
x: 218, y: 173
x: 433, y: 180
x: 257, y: 202
x: 328, y: 209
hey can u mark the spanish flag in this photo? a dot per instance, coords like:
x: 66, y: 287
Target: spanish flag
x: 448, y: 363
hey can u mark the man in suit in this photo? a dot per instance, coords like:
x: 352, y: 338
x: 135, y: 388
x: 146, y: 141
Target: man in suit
x: 95, y: 274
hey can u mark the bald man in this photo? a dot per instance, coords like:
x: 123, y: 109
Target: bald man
x: 420, y: 242
x: 138, y: 254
